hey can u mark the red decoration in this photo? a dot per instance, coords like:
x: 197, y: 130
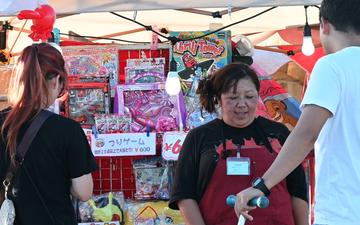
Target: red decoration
x: 43, y: 18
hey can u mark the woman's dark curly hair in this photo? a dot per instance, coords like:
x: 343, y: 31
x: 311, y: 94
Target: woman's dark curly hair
x: 223, y: 80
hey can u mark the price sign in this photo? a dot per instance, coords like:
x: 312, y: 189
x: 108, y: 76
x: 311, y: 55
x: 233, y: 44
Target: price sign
x: 172, y: 143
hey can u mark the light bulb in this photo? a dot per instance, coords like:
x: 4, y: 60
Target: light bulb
x: 307, y: 46
x: 172, y: 84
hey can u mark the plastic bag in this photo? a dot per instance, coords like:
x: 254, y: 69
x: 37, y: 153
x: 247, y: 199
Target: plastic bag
x: 7, y: 212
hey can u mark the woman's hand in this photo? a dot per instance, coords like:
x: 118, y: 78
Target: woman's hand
x: 242, y: 198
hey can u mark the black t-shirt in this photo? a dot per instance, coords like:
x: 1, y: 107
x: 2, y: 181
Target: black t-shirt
x: 58, y: 153
x: 198, y: 157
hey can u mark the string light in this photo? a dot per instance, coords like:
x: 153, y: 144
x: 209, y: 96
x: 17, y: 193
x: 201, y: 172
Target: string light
x: 172, y: 84
x: 149, y: 28
x: 307, y: 47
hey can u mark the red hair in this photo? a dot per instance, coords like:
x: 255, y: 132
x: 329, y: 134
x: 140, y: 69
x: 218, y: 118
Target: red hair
x: 29, y: 89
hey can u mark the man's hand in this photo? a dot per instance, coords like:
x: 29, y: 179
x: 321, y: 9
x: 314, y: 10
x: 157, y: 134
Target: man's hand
x: 242, y: 198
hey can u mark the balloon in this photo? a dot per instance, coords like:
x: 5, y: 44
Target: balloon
x: 43, y: 18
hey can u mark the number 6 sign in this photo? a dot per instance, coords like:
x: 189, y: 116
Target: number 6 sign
x: 171, y: 146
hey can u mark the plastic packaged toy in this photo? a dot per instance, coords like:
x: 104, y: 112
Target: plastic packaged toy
x: 103, y: 208
x: 152, y: 178
x: 92, y: 64
x: 112, y: 123
x: 150, y: 107
x: 152, y: 213
x: 147, y: 70
x: 87, y: 99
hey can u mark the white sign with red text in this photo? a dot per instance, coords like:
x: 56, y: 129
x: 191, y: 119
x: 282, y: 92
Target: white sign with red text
x: 172, y: 143
x: 123, y: 144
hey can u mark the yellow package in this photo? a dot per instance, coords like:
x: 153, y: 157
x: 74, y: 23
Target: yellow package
x: 151, y: 213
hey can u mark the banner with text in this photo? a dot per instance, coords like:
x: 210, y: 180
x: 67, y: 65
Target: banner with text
x: 124, y: 144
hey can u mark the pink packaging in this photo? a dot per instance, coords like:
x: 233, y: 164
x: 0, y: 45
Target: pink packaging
x: 149, y: 107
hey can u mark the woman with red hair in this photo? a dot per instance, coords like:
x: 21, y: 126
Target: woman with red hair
x: 59, y: 161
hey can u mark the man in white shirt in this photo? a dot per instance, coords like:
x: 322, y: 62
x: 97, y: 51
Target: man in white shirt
x: 329, y: 123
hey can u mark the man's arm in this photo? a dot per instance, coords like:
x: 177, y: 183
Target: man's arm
x: 297, y: 146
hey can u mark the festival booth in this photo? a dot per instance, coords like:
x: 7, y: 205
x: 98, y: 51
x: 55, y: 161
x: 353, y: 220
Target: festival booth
x: 134, y: 121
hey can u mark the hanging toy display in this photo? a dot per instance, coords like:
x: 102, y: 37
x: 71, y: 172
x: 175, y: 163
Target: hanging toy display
x: 43, y: 18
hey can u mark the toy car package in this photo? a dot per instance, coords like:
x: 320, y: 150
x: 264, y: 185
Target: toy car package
x: 87, y: 99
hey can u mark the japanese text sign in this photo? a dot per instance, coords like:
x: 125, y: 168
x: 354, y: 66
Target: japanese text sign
x: 123, y: 144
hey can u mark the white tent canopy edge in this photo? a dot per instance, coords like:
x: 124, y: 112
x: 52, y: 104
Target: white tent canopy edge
x: 12, y: 7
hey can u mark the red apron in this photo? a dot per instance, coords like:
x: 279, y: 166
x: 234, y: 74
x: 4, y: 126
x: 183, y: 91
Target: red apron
x: 213, y: 203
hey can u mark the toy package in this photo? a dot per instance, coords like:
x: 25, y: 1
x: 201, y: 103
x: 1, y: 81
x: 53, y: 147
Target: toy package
x: 152, y: 178
x: 196, y: 59
x: 203, y: 55
x: 152, y: 213
x: 87, y: 99
x: 150, y: 107
x: 112, y: 123
x: 95, y: 63
x: 196, y: 116
x: 147, y: 70
x: 103, y: 208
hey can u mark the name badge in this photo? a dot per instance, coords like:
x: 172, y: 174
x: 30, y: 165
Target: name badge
x: 238, y: 166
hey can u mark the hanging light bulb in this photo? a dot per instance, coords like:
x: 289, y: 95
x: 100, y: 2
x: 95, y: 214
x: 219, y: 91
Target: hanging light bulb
x: 172, y: 84
x: 307, y: 47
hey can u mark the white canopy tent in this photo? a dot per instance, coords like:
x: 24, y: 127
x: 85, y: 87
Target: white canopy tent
x: 92, y: 17
x: 11, y: 7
